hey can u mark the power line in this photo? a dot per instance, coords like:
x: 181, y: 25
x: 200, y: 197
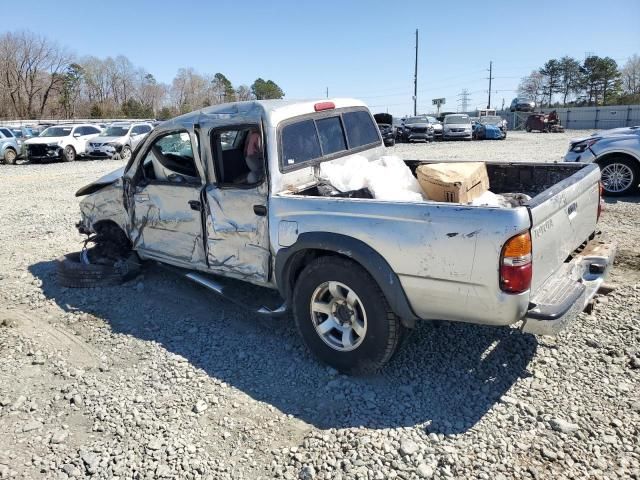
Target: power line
x: 463, y: 99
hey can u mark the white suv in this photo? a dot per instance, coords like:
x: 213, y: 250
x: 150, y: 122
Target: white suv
x: 60, y: 142
x: 119, y: 138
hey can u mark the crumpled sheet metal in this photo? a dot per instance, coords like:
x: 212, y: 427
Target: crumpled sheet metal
x: 237, y: 239
x: 164, y: 223
x: 105, y: 204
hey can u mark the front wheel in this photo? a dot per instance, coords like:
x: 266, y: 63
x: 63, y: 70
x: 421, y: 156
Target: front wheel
x: 620, y: 176
x: 343, y: 316
x: 126, y: 152
x: 10, y: 156
x: 69, y: 154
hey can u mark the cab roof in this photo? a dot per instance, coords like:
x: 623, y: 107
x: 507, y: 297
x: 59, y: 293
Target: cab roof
x: 255, y: 110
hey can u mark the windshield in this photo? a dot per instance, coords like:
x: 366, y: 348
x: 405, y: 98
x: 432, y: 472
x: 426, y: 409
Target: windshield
x: 457, y: 119
x: 416, y: 120
x: 491, y: 119
x: 115, y: 131
x: 432, y: 120
x: 17, y: 133
x: 56, y: 132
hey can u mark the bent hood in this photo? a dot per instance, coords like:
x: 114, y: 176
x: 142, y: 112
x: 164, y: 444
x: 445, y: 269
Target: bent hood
x: 43, y: 140
x: 108, y: 179
x: 100, y: 139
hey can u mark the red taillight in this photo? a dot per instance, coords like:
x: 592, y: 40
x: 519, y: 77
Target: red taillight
x: 600, y: 200
x: 515, y: 264
x: 318, y: 107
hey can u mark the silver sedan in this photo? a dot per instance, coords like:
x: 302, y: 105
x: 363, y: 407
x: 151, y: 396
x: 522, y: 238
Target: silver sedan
x: 618, y: 154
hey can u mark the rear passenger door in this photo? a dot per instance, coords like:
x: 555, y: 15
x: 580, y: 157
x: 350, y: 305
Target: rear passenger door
x: 237, y: 219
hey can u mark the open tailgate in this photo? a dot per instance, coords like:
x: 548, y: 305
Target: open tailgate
x: 562, y: 218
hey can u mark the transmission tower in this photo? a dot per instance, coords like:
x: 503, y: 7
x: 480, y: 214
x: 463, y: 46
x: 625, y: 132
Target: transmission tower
x: 464, y: 99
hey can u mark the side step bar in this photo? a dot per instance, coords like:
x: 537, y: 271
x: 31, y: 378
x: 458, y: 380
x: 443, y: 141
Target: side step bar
x: 215, y: 287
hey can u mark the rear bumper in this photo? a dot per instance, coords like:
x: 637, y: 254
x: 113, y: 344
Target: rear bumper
x: 570, y: 289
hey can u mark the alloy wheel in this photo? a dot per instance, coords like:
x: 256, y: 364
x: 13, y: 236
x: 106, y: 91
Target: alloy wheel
x: 338, y: 316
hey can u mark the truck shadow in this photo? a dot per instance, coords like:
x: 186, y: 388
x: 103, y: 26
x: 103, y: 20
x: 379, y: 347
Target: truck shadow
x: 446, y: 377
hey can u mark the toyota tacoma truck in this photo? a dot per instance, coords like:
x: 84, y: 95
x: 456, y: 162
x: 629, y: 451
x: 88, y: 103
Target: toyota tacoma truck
x: 235, y: 190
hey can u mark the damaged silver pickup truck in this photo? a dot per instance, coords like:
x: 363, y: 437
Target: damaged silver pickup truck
x: 235, y: 190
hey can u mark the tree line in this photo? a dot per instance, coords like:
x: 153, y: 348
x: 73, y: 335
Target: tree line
x: 41, y: 79
x: 595, y: 81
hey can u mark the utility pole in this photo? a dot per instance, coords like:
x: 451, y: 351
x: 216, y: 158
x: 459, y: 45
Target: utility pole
x: 415, y: 81
x: 490, y: 78
x: 463, y: 100
x: 327, y: 92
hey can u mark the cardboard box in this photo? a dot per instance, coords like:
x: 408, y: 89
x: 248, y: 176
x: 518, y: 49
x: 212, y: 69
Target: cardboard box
x: 458, y: 182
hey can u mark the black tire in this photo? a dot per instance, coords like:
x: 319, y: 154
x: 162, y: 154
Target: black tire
x: 10, y: 156
x: 528, y: 129
x: 383, y: 327
x: 69, y: 154
x: 75, y: 274
x: 627, y: 164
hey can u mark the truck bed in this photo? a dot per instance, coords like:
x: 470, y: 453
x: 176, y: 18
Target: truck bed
x: 447, y: 255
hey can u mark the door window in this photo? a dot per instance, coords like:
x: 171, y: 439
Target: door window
x: 170, y: 159
x: 239, y: 156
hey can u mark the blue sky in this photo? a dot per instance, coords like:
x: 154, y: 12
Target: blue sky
x: 361, y: 49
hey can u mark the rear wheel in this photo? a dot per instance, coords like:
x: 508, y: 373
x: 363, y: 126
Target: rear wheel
x: 343, y: 316
x: 69, y: 153
x: 620, y: 176
x: 10, y: 156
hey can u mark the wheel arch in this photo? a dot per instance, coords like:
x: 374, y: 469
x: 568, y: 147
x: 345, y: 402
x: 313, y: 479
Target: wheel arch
x: 619, y: 153
x: 290, y: 262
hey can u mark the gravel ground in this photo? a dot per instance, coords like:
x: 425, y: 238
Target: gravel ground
x: 160, y: 379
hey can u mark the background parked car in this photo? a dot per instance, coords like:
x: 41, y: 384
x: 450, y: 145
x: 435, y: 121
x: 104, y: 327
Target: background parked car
x: 522, y: 105
x: 22, y: 134
x: 118, y: 138
x: 387, y: 130
x: 493, y: 121
x: 618, y: 154
x: 416, y: 128
x: 457, y: 125
x: 61, y: 142
x: 9, y: 149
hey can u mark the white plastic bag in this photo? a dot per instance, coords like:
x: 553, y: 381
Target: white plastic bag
x: 388, y: 178
x: 346, y: 175
x: 490, y: 199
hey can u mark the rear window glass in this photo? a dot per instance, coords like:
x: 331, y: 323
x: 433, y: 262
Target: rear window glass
x: 331, y: 135
x: 300, y: 143
x: 327, y: 136
x: 360, y: 129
